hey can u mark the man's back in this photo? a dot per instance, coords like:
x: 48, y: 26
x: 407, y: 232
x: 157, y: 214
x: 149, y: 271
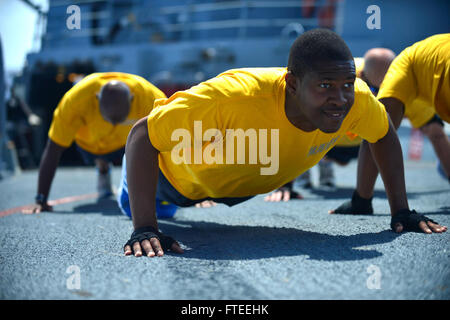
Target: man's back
x: 256, y: 148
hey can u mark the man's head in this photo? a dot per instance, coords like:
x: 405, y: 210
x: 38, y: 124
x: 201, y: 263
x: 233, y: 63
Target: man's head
x: 115, y: 101
x: 321, y: 74
x: 376, y: 64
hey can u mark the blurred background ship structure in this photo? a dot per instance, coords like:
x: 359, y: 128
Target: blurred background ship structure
x: 178, y: 43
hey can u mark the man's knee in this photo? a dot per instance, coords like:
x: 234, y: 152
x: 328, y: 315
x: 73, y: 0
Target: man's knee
x: 434, y: 131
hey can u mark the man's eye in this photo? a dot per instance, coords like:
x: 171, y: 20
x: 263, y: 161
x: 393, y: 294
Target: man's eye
x: 348, y: 85
x: 325, y: 85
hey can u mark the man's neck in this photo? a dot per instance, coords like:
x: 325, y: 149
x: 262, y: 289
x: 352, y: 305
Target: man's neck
x: 295, y: 116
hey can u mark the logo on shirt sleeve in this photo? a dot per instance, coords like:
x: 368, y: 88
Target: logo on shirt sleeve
x: 322, y: 147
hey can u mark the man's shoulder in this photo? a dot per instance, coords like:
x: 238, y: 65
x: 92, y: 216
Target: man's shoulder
x: 262, y: 74
x: 362, y: 90
x: 434, y: 41
x: 82, y: 93
x: 87, y: 84
x: 364, y: 98
x: 245, y: 82
x: 103, y: 77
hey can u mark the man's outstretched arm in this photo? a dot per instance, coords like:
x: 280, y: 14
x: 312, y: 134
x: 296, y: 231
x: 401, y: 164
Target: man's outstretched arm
x: 388, y: 156
x: 47, y: 169
x: 367, y: 171
x: 142, y: 178
x: 387, y: 153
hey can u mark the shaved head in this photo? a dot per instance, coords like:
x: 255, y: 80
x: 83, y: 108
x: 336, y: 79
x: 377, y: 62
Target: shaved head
x: 376, y: 64
x: 115, y: 101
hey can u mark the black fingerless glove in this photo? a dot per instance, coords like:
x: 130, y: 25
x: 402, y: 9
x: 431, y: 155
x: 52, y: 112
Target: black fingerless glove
x: 357, y: 205
x: 146, y: 233
x: 289, y: 187
x: 409, y: 219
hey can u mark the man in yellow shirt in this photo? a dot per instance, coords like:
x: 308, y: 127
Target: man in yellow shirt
x: 371, y: 68
x: 97, y: 113
x: 250, y: 131
x: 417, y: 85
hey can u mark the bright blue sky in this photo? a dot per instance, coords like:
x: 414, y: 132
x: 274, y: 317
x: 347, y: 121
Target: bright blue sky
x: 17, y: 29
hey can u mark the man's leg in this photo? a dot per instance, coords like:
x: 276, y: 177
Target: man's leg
x: 304, y: 180
x: 326, y: 173
x: 122, y: 193
x: 103, y: 165
x: 434, y: 130
x: 104, y: 185
x: 340, y: 155
x: 164, y: 209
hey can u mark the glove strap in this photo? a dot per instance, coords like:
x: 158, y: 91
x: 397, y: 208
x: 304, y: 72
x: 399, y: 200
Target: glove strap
x: 357, y: 206
x: 359, y: 202
x: 287, y: 187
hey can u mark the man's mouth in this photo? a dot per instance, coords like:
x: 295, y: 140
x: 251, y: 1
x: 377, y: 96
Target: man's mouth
x: 335, y: 114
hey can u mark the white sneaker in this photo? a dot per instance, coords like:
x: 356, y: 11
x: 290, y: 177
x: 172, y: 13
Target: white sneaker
x: 104, y: 186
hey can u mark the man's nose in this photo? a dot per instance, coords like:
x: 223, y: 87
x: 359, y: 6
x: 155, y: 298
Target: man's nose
x: 338, y: 97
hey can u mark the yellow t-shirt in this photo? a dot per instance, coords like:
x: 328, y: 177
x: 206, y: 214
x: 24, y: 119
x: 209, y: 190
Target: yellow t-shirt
x: 420, y: 78
x: 253, y: 100
x: 78, y: 116
x: 349, y: 139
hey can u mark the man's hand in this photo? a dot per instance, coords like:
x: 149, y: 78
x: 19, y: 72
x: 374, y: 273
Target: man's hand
x: 206, y: 204
x: 150, y: 241
x: 357, y: 205
x: 37, y: 208
x: 407, y: 220
x: 283, y: 194
x: 34, y: 120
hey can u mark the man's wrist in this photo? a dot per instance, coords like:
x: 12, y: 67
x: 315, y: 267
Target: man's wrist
x: 360, y: 204
x: 403, y: 211
x: 287, y: 187
x: 357, y: 198
x: 40, y: 199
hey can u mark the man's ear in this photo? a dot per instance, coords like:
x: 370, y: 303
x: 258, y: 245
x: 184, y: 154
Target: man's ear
x: 363, y: 77
x: 291, y: 83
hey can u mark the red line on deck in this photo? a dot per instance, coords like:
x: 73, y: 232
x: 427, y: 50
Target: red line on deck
x: 8, y: 212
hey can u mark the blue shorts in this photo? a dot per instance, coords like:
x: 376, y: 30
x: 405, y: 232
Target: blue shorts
x: 166, y: 196
x: 89, y: 158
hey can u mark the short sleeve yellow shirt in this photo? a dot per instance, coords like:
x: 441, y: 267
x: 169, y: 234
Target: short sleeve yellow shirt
x: 350, y: 140
x: 420, y: 78
x: 208, y: 119
x: 78, y: 118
